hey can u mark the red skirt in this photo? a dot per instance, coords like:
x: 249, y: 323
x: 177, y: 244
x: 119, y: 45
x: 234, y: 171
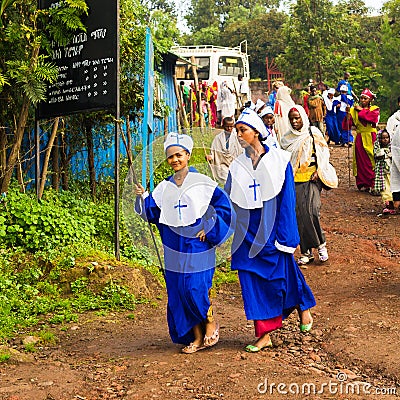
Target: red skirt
x: 264, y: 326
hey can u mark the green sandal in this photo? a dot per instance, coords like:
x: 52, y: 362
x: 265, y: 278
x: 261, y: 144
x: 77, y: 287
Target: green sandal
x: 250, y: 348
x: 306, y: 327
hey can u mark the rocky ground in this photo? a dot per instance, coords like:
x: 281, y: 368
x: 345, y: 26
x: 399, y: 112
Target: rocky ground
x: 351, y: 353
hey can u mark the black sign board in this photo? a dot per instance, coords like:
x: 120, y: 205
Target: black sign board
x: 88, y: 66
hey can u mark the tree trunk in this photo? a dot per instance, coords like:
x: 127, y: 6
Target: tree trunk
x: 55, y: 158
x: 47, y: 157
x: 3, y: 150
x: 20, y: 175
x: 128, y: 149
x: 19, y: 134
x: 19, y: 131
x: 90, y: 149
x: 64, y: 159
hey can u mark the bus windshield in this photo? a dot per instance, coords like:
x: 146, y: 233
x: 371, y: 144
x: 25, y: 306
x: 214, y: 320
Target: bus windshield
x: 230, y: 66
x: 203, y: 69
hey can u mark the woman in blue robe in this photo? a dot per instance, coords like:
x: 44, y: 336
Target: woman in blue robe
x: 346, y: 100
x: 261, y: 188
x: 332, y: 128
x: 193, y: 216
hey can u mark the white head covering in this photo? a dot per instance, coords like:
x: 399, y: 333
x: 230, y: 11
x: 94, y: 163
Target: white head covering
x: 331, y: 91
x: 252, y: 105
x: 250, y: 118
x: 344, y: 88
x: 301, y: 144
x: 181, y: 140
x: 283, y: 94
x: 259, y: 104
x: 283, y: 104
x: 265, y: 111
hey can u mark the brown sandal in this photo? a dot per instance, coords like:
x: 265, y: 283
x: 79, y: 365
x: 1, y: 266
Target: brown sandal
x: 192, y: 348
x: 212, y: 340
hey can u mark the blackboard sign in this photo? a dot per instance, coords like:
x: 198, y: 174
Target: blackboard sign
x: 87, y: 66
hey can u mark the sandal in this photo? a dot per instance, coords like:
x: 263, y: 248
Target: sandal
x: 389, y: 210
x: 212, y: 340
x: 250, y: 348
x: 192, y: 348
x: 306, y: 327
x: 323, y: 253
x: 305, y: 258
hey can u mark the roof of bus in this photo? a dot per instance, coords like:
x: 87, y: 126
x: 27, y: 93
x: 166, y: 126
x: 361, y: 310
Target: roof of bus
x: 203, y: 49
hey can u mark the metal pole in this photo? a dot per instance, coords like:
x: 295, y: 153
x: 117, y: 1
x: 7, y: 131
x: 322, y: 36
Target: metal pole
x: 117, y: 150
x: 37, y: 156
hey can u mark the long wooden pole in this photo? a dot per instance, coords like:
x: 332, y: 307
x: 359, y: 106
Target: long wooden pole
x: 47, y: 157
x: 181, y: 111
x: 198, y: 92
x: 209, y: 163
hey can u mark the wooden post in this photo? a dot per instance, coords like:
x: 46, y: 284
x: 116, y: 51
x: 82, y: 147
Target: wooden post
x: 47, y: 157
x: 238, y: 100
x: 198, y: 92
x: 181, y: 110
x: 191, y: 108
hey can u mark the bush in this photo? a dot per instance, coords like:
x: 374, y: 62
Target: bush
x: 39, y: 225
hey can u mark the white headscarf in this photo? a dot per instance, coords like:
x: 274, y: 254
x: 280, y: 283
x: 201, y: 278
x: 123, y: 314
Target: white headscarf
x: 283, y: 104
x: 250, y: 118
x: 265, y: 111
x: 259, y: 105
x: 300, y: 144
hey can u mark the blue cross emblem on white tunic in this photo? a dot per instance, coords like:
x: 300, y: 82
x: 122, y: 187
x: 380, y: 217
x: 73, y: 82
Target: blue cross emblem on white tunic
x: 179, y: 206
x: 254, y: 186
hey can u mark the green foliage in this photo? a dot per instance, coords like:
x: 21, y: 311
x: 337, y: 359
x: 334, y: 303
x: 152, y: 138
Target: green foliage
x: 388, y: 66
x: 30, y: 347
x: 29, y: 294
x: 47, y: 337
x: 4, y: 356
x: 35, y: 225
x: 317, y: 35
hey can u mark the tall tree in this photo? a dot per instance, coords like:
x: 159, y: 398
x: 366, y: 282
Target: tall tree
x: 25, y: 65
x: 317, y: 35
x: 202, y: 14
x: 263, y: 32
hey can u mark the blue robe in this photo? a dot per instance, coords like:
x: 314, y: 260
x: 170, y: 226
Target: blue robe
x: 331, y: 124
x: 190, y: 263
x: 345, y: 134
x: 272, y: 283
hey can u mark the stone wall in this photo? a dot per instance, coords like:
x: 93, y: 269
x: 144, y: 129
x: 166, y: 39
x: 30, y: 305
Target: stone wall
x: 258, y: 90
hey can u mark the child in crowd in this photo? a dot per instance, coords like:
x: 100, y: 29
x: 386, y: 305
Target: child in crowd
x: 204, y: 108
x: 224, y: 149
x: 383, y: 161
x: 268, y: 118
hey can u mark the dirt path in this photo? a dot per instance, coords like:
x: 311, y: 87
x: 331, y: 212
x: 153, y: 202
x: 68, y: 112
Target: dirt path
x: 354, y: 345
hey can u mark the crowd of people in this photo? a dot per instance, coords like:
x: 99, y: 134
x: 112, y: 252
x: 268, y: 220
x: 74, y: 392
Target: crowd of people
x: 270, y: 166
x: 212, y: 101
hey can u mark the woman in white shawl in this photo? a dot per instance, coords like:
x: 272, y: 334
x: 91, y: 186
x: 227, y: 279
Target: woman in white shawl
x: 283, y: 104
x: 312, y: 170
x: 393, y: 127
x: 228, y: 101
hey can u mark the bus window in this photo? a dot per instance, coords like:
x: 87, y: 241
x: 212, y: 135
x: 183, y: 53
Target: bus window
x: 203, y: 70
x: 184, y: 71
x: 230, y: 66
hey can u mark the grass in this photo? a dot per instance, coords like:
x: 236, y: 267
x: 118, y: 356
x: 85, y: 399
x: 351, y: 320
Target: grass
x: 4, y: 356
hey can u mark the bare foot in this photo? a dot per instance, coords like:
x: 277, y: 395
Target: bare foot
x: 263, y: 341
x: 305, y: 317
x: 211, y: 336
